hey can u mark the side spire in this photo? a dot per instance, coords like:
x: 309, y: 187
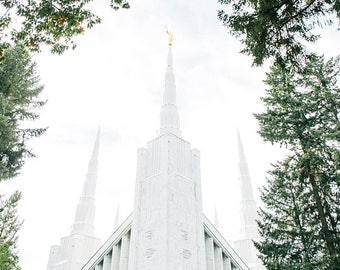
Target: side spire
x: 245, y: 181
x: 76, y: 248
x: 84, y: 219
x: 248, y: 214
x: 169, y: 113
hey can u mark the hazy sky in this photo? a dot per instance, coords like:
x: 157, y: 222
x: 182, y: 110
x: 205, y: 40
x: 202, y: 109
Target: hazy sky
x: 115, y: 79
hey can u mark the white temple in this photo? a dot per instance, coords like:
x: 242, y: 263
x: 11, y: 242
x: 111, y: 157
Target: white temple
x: 167, y: 229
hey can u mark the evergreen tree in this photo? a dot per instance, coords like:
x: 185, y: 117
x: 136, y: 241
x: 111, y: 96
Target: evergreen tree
x: 303, y: 115
x: 19, y: 91
x: 278, y: 28
x: 9, y: 226
x: 288, y: 222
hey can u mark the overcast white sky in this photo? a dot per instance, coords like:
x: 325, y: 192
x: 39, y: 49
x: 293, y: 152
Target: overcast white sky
x: 115, y: 79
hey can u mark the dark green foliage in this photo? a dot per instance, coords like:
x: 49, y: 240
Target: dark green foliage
x: 51, y: 22
x: 301, y: 220
x: 302, y: 108
x: 288, y: 222
x: 277, y: 28
x: 9, y: 227
x: 19, y: 90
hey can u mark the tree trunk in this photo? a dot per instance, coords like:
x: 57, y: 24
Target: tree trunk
x: 324, y: 226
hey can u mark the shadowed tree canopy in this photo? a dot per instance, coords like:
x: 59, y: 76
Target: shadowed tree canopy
x: 51, y: 22
x: 278, y: 28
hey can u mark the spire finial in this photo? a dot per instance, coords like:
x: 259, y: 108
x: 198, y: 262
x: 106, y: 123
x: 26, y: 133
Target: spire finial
x: 170, y: 35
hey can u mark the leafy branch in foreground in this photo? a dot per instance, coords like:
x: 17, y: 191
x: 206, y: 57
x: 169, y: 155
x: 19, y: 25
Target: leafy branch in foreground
x: 52, y: 22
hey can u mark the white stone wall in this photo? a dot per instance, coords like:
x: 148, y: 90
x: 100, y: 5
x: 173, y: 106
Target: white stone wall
x: 167, y: 229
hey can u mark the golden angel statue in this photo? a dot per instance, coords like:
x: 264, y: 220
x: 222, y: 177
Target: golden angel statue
x: 171, y: 36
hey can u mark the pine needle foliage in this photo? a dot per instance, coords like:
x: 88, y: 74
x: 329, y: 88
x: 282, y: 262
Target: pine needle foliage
x: 278, y: 29
x: 9, y: 227
x: 300, y: 220
x: 19, y: 104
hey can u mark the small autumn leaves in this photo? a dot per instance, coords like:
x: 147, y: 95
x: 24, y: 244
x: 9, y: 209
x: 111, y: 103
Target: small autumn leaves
x: 54, y: 24
x: 62, y: 20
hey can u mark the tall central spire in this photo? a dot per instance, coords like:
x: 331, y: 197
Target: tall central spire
x: 169, y: 113
x: 167, y: 231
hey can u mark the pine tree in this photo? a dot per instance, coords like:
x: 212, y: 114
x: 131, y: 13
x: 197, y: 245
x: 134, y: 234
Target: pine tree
x: 9, y: 226
x: 278, y: 29
x: 19, y: 103
x: 288, y: 222
x: 303, y: 115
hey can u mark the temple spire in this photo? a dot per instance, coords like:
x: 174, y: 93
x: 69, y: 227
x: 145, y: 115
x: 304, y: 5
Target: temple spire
x: 76, y: 248
x: 84, y: 219
x: 248, y: 204
x: 169, y: 113
x: 248, y: 214
x: 245, y: 180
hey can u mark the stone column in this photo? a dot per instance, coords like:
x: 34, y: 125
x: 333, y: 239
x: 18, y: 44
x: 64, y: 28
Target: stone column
x: 226, y: 263
x: 124, y: 255
x: 107, y: 261
x: 218, y: 258
x: 115, y: 257
x: 209, y: 250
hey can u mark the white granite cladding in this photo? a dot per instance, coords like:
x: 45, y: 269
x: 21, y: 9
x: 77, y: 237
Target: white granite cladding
x: 167, y: 221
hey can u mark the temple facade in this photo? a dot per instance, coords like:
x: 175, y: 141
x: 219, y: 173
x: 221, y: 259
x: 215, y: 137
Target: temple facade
x: 167, y: 229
